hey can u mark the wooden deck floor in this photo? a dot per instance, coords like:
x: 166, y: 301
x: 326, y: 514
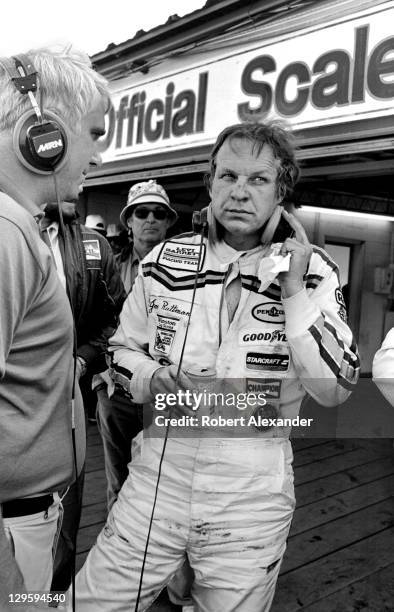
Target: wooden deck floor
x: 340, y: 555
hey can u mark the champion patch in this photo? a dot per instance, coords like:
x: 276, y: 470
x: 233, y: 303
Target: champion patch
x: 92, y: 249
x: 268, y: 362
x: 181, y: 256
x: 269, y: 387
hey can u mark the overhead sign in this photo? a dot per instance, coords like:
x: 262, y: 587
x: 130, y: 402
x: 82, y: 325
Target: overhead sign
x: 334, y: 73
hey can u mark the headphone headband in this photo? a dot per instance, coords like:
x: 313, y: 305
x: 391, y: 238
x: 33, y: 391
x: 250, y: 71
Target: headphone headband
x: 22, y: 72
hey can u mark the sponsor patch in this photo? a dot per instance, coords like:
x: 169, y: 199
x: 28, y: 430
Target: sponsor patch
x: 342, y: 313
x: 261, y: 413
x: 339, y: 297
x: 270, y: 312
x: 181, y: 256
x: 269, y: 362
x: 168, y: 323
x: 256, y: 337
x: 163, y: 340
x: 92, y: 249
x: 269, y: 387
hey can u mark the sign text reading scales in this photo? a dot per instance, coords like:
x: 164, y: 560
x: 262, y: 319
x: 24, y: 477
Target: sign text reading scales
x: 360, y: 79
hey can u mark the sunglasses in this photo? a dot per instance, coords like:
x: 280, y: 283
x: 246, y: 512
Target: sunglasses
x: 142, y: 213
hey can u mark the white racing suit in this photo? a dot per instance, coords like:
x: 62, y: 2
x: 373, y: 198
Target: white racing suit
x: 225, y: 501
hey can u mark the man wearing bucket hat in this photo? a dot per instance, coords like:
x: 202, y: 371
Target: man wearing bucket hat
x: 147, y: 216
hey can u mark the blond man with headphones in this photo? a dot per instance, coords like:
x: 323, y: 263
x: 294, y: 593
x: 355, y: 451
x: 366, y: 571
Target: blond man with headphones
x: 52, y: 107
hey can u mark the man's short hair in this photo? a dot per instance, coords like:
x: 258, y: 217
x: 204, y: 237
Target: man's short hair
x: 68, y: 86
x: 272, y: 133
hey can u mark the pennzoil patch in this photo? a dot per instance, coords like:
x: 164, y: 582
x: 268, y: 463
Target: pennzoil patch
x: 181, y: 256
x: 92, y: 250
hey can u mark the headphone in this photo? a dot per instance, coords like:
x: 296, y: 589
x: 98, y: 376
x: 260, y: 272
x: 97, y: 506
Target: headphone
x: 39, y: 139
x: 200, y: 221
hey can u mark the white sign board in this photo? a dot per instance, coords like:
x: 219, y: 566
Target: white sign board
x: 333, y: 73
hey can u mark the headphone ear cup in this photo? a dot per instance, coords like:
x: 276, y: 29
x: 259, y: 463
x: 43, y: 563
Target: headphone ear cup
x: 41, y: 147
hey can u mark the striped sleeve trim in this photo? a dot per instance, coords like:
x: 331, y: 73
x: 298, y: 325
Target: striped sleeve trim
x: 351, y: 357
x: 328, y: 341
x: 312, y: 281
x: 327, y: 260
x: 273, y: 291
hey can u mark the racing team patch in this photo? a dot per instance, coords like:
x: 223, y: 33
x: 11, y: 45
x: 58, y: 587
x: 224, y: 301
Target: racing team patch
x: 268, y: 362
x: 181, y: 256
x: 92, y: 249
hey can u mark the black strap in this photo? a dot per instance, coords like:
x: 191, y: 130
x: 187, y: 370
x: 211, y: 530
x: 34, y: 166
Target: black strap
x: 25, y: 83
x: 27, y: 505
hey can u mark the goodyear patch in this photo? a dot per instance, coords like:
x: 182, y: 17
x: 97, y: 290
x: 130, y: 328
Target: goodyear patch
x: 258, y: 337
x: 181, y: 256
x: 268, y: 362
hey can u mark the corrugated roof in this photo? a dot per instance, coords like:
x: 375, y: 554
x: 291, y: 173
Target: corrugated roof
x: 171, y: 20
x: 213, y: 19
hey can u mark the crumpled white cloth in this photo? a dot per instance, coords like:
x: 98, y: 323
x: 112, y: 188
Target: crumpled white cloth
x: 269, y: 267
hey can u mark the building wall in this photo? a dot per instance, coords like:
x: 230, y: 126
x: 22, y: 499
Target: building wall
x: 103, y: 203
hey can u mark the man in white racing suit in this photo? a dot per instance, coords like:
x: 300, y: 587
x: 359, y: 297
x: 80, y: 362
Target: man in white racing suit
x: 268, y: 318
